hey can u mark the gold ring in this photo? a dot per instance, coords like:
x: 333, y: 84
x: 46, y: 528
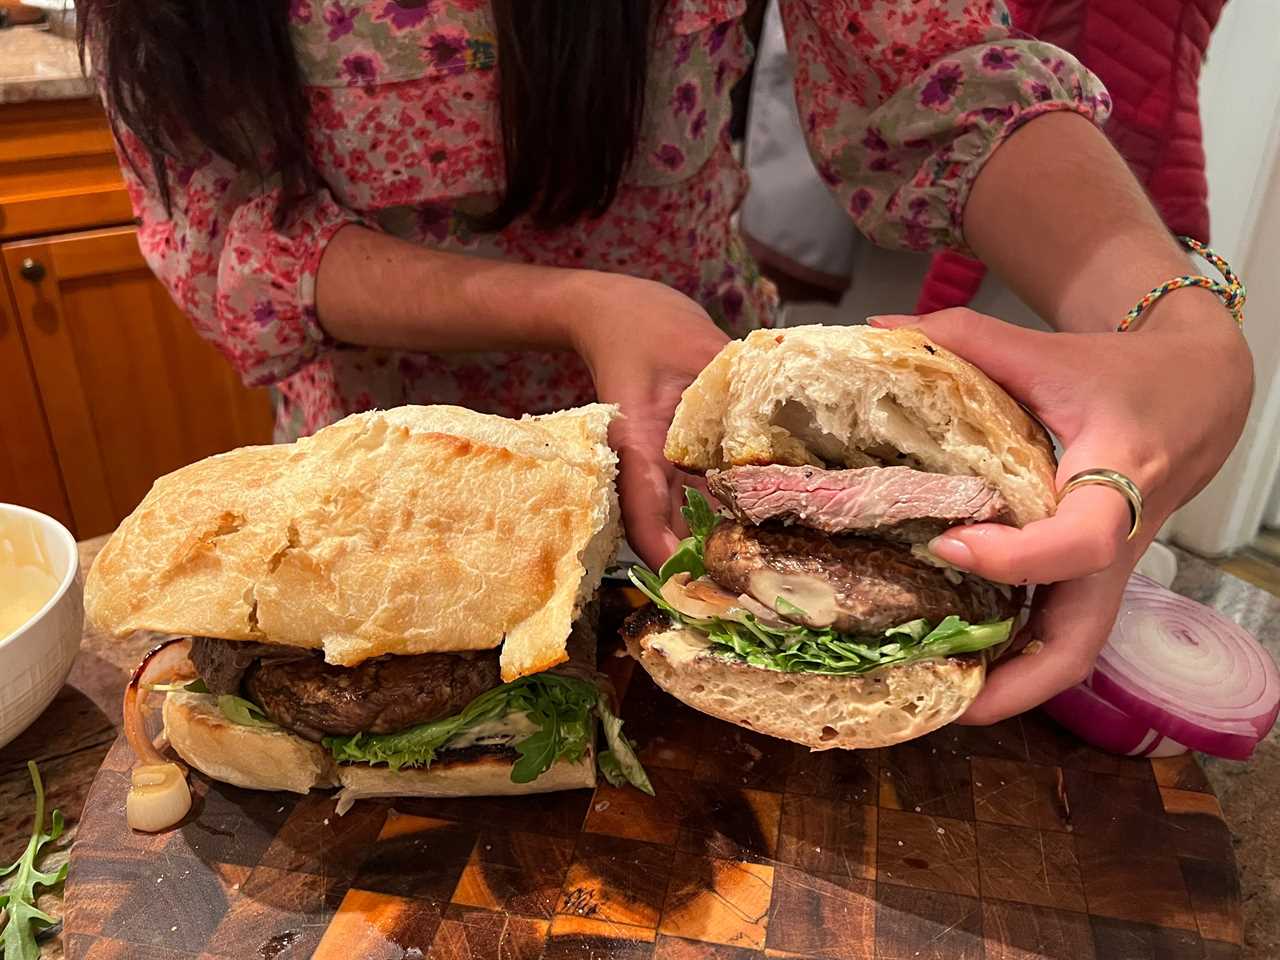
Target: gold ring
x: 1116, y: 481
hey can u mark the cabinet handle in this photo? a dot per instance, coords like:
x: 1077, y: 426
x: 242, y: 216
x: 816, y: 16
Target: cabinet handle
x: 32, y: 270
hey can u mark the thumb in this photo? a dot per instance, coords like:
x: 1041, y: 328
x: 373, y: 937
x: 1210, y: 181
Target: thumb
x: 1011, y: 355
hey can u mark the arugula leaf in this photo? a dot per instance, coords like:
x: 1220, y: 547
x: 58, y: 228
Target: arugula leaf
x: 417, y: 746
x: 18, y: 902
x: 698, y: 515
x: 687, y: 558
x: 915, y: 629
x: 561, y: 708
x: 242, y: 711
x: 788, y: 609
x: 794, y: 649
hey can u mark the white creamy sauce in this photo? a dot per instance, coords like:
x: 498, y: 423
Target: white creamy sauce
x: 816, y: 598
x: 681, y: 646
x: 27, y: 579
x: 510, y: 727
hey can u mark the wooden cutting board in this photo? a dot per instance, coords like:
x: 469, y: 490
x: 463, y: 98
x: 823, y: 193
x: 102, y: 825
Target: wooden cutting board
x: 1009, y: 842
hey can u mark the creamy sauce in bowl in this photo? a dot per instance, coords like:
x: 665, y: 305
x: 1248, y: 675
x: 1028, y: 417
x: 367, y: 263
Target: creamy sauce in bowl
x: 27, y: 575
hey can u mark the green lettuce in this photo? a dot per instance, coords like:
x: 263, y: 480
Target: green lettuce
x: 562, y: 708
x: 242, y: 711
x: 619, y: 763
x: 792, y: 648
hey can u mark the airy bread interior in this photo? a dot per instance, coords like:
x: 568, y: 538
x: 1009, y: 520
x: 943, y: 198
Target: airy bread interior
x: 858, y: 396
x: 261, y: 758
x: 822, y: 712
x: 412, y: 530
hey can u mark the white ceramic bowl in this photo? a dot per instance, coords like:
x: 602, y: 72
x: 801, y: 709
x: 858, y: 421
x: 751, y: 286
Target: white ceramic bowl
x: 35, y: 661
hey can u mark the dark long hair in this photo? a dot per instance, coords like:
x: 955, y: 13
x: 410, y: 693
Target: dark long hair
x: 185, y: 76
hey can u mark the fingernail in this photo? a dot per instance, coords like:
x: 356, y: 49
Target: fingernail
x: 884, y: 321
x: 952, y: 550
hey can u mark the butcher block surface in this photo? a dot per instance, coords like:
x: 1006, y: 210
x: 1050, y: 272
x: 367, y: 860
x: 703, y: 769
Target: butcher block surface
x: 1008, y: 842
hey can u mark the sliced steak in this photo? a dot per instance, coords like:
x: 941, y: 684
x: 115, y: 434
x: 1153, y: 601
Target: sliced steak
x: 855, y: 584
x: 316, y: 699
x: 221, y: 664
x: 897, y: 503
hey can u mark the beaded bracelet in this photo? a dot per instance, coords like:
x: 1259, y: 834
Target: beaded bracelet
x: 1232, y: 292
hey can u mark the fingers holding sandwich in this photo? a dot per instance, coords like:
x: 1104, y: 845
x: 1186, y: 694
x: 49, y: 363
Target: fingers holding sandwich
x: 1069, y: 624
x: 1085, y: 535
x: 644, y: 343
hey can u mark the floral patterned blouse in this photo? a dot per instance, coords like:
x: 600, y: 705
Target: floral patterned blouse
x: 902, y: 103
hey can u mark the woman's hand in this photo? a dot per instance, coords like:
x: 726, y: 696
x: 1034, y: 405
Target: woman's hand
x: 1163, y: 404
x: 644, y: 343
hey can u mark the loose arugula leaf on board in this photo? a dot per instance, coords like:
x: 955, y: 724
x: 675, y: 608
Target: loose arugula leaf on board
x: 18, y: 902
x: 242, y: 711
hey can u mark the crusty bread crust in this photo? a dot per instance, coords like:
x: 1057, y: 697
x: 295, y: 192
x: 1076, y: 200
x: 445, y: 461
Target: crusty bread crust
x: 258, y: 758
x: 413, y: 530
x: 475, y: 777
x: 261, y: 758
x: 818, y: 394
x: 821, y: 712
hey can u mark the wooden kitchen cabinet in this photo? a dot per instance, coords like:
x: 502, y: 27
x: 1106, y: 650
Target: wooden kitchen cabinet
x: 129, y: 390
x: 104, y: 385
x: 29, y: 472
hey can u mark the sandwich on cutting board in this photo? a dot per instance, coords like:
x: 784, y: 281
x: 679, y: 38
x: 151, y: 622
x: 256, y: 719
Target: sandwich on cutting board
x: 814, y: 612
x: 398, y: 605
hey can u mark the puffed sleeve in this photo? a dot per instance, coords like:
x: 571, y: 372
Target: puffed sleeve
x: 247, y: 283
x: 902, y: 103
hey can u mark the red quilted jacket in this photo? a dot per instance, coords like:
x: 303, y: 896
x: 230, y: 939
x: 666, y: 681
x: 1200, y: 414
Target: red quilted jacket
x: 1148, y: 53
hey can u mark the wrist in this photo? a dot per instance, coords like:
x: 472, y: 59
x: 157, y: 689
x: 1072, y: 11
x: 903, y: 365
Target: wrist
x: 579, y: 305
x: 541, y: 306
x: 1196, y: 322
x: 1193, y: 312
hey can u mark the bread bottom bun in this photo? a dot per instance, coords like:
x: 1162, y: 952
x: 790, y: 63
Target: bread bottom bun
x: 822, y: 712
x: 265, y: 758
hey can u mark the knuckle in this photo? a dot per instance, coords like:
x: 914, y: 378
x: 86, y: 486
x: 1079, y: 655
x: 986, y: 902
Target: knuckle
x: 954, y: 318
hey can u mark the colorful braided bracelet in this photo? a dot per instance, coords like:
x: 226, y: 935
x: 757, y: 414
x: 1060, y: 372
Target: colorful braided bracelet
x: 1232, y: 292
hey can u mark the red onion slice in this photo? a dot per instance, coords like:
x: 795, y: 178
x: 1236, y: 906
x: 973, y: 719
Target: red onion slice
x: 162, y: 663
x: 1179, y: 668
x: 1097, y: 722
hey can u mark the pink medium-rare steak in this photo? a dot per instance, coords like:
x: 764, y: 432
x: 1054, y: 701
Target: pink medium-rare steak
x: 897, y: 503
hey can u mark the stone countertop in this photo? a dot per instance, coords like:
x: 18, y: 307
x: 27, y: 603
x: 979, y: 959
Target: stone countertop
x: 1247, y: 791
x: 38, y: 64
x: 71, y: 738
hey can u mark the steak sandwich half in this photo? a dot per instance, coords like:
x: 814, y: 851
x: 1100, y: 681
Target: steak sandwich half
x: 813, y: 610
x: 397, y: 605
